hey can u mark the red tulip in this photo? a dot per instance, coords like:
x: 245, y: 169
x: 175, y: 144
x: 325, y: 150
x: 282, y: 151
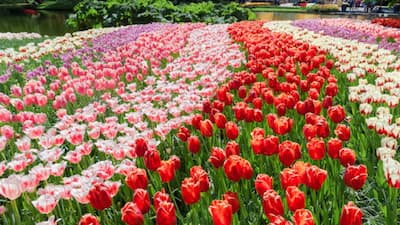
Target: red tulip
x: 295, y: 198
x: 271, y: 145
x: 351, y: 215
x: 257, y: 144
x: 277, y: 220
x: 257, y: 132
x: 272, y: 203
x: 304, y: 86
x: 137, y: 179
x: 242, y: 92
x: 257, y: 103
x: 327, y: 102
x: 228, y: 99
x: 300, y: 168
x: 336, y: 113
x: 329, y: 64
x: 247, y: 170
x: 190, y: 190
x: 206, y: 128
x: 249, y: 114
x: 309, y: 131
x: 201, y: 176
x: 166, y: 171
x: 220, y: 120
x: 142, y: 200
x: 303, y: 217
x: 217, y: 157
x: 263, y: 183
x: 347, y: 156
x: 100, y: 197
x: 289, y: 177
x: 221, y: 92
x: 355, y: 176
x: 152, y: 159
x: 131, y: 214
x: 322, y: 128
x: 289, y: 152
x: 236, y: 167
x: 316, y: 149
x: 221, y: 212
x: 232, y: 148
x: 342, y: 132
x: 183, y: 134
x: 315, y: 177
x: 233, y: 199
x: 301, y: 108
x: 271, y: 120
x: 166, y: 214
x: 231, y: 129
x: 207, y: 106
x: 159, y: 197
x: 334, y: 145
x: 176, y: 161
x: 196, y: 119
x: 281, y: 109
x: 140, y: 146
x: 313, y: 93
x: 282, y: 125
x: 88, y: 219
x: 258, y: 115
x: 239, y: 110
x: 193, y: 144
x: 331, y: 89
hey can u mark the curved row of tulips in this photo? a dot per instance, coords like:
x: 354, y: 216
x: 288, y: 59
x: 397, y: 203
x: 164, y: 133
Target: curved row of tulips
x: 112, y: 139
x: 363, y: 31
x: 373, y: 93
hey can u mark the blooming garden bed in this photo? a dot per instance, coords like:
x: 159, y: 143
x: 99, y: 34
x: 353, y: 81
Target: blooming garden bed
x: 244, y: 123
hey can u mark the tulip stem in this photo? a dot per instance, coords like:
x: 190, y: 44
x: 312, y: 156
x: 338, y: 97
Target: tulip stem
x: 16, y: 212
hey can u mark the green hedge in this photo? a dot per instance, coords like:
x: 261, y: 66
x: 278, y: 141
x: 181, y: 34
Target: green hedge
x: 93, y: 13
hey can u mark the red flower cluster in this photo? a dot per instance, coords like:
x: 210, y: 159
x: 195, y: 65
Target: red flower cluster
x: 196, y: 183
x: 387, y: 22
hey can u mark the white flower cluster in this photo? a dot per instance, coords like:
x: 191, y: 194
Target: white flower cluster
x: 19, y: 36
x: 61, y: 44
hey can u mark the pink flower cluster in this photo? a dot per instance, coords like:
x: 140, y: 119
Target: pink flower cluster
x: 143, y: 89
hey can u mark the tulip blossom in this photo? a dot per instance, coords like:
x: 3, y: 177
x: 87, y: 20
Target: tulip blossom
x: 295, y: 198
x: 99, y: 197
x: 233, y: 199
x: 303, y: 216
x: 137, y: 178
x: 355, y: 176
x: 88, y: 219
x: 272, y: 203
x: 131, y: 214
x: 142, y: 200
x: 351, y: 215
x: 221, y: 212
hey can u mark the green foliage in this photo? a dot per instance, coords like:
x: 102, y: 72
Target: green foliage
x: 89, y: 13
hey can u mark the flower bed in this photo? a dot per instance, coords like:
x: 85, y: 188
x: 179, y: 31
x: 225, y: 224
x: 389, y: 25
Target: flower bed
x: 202, y: 124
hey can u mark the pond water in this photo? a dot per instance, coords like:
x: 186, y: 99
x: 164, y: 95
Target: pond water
x: 45, y: 22
x: 53, y: 22
x: 271, y: 16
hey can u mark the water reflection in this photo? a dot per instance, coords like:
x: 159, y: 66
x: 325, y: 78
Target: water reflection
x: 271, y: 16
x: 50, y: 23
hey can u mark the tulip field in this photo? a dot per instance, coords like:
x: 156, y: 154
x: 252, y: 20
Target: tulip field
x: 255, y: 122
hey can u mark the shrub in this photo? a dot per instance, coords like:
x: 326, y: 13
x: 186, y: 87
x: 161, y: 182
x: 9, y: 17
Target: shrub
x: 323, y: 8
x: 95, y: 13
